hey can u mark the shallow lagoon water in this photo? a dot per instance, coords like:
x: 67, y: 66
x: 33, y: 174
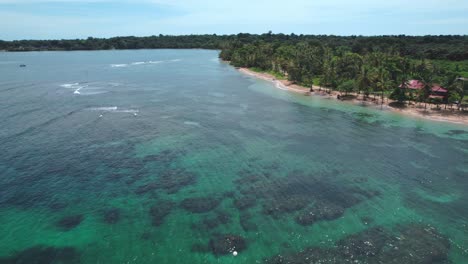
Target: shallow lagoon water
x: 110, y: 157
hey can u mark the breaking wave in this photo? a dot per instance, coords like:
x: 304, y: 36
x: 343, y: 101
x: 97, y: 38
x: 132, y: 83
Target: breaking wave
x: 136, y: 63
x: 118, y: 65
x: 113, y: 109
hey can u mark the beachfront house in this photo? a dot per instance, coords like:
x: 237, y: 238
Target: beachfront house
x: 437, y: 91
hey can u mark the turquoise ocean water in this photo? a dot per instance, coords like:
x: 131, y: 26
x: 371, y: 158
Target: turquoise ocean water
x: 171, y: 156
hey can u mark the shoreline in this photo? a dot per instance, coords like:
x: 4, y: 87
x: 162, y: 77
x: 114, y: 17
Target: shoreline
x: 440, y: 115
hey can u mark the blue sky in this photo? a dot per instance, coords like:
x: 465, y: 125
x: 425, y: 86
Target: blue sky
x: 57, y: 19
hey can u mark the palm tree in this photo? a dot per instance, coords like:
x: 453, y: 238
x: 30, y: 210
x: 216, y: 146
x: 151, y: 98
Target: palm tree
x: 363, y: 80
x: 425, y: 71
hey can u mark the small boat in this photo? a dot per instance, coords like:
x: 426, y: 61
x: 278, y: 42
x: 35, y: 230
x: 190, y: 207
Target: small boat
x: 22, y: 65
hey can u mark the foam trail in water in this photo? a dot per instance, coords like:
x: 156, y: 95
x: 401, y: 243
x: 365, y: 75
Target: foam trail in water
x: 69, y: 85
x: 190, y: 123
x: 114, y: 109
x: 118, y: 65
x: 128, y: 111
x: 110, y: 108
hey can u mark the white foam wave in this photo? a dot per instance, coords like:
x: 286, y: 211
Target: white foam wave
x: 105, y: 108
x: 114, y: 109
x: 136, y: 63
x: 77, y: 91
x: 128, y: 111
x: 190, y: 123
x: 69, y: 85
x: 281, y: 86
x: 92, y: 93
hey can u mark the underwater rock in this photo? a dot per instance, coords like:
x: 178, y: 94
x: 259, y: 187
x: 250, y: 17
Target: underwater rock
x: 286, y: 205
x: 115, y: 176
x: 245, y: 202
x: 111, y: 215
x: 70, y: 222
x: 229, y: 194
x: 226, y: 244
x: 159, y: 211
x: 200, y: 204
x: 58, y: 206
x: 171, y: 181
x: 166, y: 156
x: 320, y: 211
x: 457, y: 132
x: 146, y: 235
x: 418, y: 244
x: 221, y: 218
x: 212, y: 222
x: 412, y: 244
x: 44, y: 255
x: 246, y: 224
x: 360, y: 180
x: 146, y: 188
x: 174, y: 180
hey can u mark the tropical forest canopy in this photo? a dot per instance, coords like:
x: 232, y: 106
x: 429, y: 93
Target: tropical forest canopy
x: 429, y: 47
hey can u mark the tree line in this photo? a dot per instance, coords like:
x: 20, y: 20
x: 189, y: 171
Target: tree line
x: 378, y: 66
x: 446, y: 47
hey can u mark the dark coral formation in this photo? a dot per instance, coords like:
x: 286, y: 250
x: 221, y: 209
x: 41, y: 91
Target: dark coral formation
x: 148, y: 187
x: 70, y: 222
x: 245, y: 202
x: 289, y: 204
x: 211, y: 222
x: 111, y: 215
x: 44, y: 255
x: 166, y: 156
x: 246, y: 223
x: 309, y: 199
x: 320, y: 211
x: 159, y: 211
x: 221, y: 218
x: 226, y: 244
x: 200, y: 204
x: 171, y: 181
x: 413, y: 244
x: 57, y: 206
x: 457, y: 132
x: 174, y: 180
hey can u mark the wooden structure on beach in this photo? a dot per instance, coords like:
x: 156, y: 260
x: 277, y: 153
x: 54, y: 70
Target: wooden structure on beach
x: 437, y: 91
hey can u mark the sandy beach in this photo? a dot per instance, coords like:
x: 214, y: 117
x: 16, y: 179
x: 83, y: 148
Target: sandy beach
x: 441, y: 115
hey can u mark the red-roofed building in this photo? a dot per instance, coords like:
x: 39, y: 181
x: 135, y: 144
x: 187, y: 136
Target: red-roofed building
x: 413, y: 85
x: 437, y: 91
